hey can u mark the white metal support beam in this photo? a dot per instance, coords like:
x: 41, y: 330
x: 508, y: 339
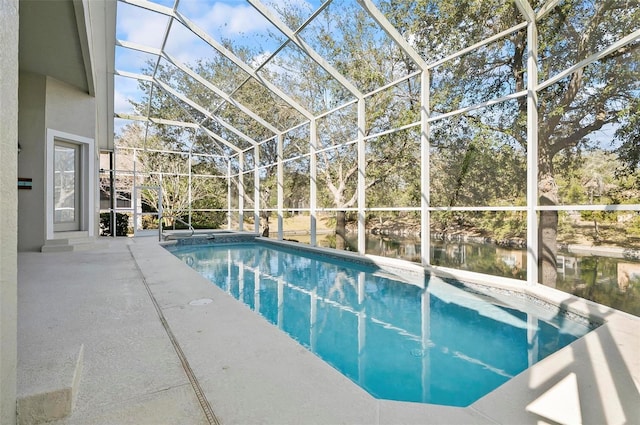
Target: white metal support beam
x: 532, y: 141
x: 141, y: 118
x: 165, y: 37
x: 280, y: 183
x: 425, y: 169
x: 362, y: 161
x: 139, y: 47
x: 229, y: 194
x: 545, y: 8
x: 392, y: 32
x: 631, y: 38
x: 155, y: 7
x: 246, y: 68
x: 478, y: 45
x: 241, y: 191
x: 190, y: 194
x: 218, y: 138
x: 313, y: 178
x: 256, y: 189
x: 218, y: 92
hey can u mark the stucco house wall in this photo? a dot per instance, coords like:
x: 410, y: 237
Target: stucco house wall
x: 31, y: 119
x: 69, y: 109
x: 8, y: 208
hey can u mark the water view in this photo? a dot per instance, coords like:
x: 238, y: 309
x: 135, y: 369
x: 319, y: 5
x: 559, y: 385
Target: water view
x: 611, y: 281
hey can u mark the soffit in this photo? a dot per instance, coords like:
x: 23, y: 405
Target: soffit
x: 49, y: 41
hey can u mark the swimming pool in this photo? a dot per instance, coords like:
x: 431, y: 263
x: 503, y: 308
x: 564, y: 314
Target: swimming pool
x: 427, y: 340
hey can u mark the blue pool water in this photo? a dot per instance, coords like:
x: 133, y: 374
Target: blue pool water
x: 441, y: 344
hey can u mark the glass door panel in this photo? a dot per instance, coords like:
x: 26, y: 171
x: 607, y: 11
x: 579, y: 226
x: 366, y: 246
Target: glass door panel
x: 66, y: 194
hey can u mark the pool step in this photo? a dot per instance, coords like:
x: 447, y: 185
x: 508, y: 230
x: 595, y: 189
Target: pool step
x: 47, y: 384
x: 82, y: 243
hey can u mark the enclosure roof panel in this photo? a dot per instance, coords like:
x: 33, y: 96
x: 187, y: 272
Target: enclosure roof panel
x: 245, y: 71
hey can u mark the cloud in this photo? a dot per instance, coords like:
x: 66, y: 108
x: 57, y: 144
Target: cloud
x: 229, y: 20
x: 132, y: 60
x: 186, y: 46
x: 140, y: 26
x: 125, y: 89
x: 234, y: 20
x: 121, y: 105
x: 120, y: 102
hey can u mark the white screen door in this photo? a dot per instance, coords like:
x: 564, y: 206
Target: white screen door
x: 67, y: 191
x: 153, y: 200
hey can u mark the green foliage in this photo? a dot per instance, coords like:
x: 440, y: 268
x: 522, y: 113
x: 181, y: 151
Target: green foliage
x: 599, y: 216
x: 122, y: 224
x: 633, y: 227
x: 149, y: 222
x: 208, y: 219
x: 504, y: 225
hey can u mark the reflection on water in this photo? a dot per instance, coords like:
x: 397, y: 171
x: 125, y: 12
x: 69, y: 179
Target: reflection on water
x: 610, y: 281
x: 614, y: 282
x: 422, y: 342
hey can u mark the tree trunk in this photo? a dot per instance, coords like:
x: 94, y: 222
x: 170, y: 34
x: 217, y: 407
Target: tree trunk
x: 548, y: 247
x: 264, y: 215
x: 548, y: 232
x: 341, y: 230
x: 264, y: 218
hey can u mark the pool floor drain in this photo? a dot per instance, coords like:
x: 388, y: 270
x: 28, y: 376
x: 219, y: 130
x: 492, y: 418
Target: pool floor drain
x: 201, y: 301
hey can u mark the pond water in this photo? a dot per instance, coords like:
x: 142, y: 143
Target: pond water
x: 611, y: 281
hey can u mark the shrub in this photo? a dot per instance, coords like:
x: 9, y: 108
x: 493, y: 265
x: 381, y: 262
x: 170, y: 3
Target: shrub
x: 208, y: 220
x: 149, y: 222
x: 122, y: 224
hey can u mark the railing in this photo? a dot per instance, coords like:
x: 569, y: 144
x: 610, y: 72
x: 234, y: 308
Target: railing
x: 178, y: 219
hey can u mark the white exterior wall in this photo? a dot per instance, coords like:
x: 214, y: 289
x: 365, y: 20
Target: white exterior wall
x: 69, y: 110
x: 8, y: 208
x: 31, y: 220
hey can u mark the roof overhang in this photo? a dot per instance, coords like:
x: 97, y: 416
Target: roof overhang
x: 52, y: 41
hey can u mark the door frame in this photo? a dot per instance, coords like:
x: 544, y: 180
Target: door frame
x: 87, y: 181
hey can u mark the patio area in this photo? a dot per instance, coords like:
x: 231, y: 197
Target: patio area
x: 117, y: 327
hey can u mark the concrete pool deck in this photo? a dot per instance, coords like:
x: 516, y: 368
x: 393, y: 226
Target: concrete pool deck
x: 123, y: 328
